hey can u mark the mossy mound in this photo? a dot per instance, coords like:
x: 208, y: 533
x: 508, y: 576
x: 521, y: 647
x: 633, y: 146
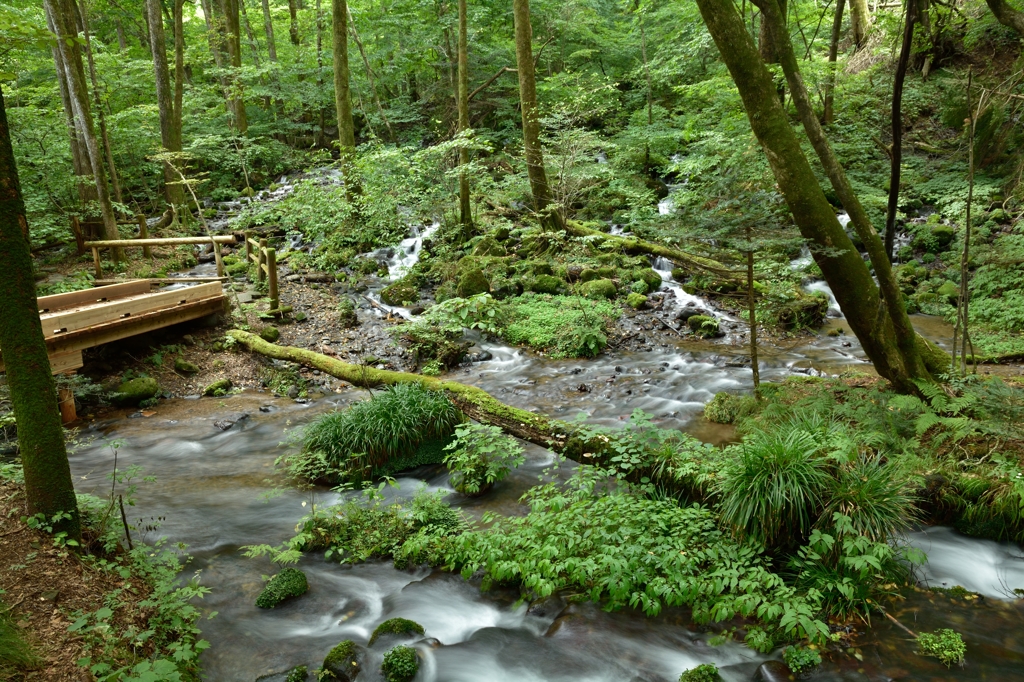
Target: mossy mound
x: 396, y: 626
x: 545, y: 284
x: 218, y: 388
x: 488, y: 246
x: 290, y: 582
x: 342, y: 663
x: 270, y: 334
x: 636, y: 301
x: 400, y: 293
x: 133, y: 392
x: 598, y: 288
x: 721, y: 409
x: 183, y: 366
x: 804, y: 311
x: 472, y: 282
x: 706, y: 672
x: 649, y: 277
x: 347, y: 313
x: 704, y: 326
x: 949, y: 292
x: 400, y: 664
x: 297, y: 674
x: 591, y: 274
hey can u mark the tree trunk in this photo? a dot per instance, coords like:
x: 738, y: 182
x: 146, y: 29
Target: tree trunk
x: 342, y: 96
x: 371, y: 80
x: 841, y: 265
x: 293, y: 25
x: 462, y: 93
x: 233, y: 42
x: 165, y: 98
x: 650, y: 95
x: 860, y: 22
x: 79, y: 155
x: 268, y: 28
x: 122, y: 44
x: 104, y: 137
x: 896, y: 155
x: 253, y: 45
x: 48, y: 486
x: 752, y: 313
x: 63, y: 17
x: 833, y: 54
x: 1006, y: 15
x: 549, y: 214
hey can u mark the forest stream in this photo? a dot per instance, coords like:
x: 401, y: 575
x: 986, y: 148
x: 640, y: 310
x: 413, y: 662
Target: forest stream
x: 219, y: 490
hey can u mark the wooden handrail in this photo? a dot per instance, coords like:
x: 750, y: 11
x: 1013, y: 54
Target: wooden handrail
x: 170, y: 241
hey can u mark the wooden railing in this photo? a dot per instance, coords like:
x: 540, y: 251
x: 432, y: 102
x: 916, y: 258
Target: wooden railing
x: 146, y: 243
x: 265, y: 259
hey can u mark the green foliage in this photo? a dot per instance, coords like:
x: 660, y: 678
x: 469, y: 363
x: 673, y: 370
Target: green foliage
x: 721, y: 409
x: 297, y: 674
x: 75, y: 282
x: 360, y: 440
x: 706, y: 672
x: 480, y: 456
x: 396, y: 626
x: 400, y: 664
x: 290, y: 582
x: 800, y: 659
x: 563, y: 326
x: 636, y: 301
x: 15, y: 653
x: 945, y: 644
x: 704, y: 326
x: 341, y: 662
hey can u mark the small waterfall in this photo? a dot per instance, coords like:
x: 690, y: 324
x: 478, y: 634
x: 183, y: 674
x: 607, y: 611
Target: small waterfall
x: 822, y: 286
x: 663, y: 267
x: 407, y: 254
x: 804, y: 259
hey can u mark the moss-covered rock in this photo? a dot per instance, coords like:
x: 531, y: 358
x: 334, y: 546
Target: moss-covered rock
x: 721, y: 409
x: 290, y: 582
x: 402, y: 627
x: 545, y: 284
x: 473, y: 282
x: 488, y: 246
x: 648, y: 276
x: 948, y: 291
x: 804, y: 311
x: 217, y: 388
x: 399, y: 293
x: 347, y: 312
x: 270, y: 333
x: 539, y: 267
x: 636, y: 301
x: 133, y: 392
x: 400, y: 664
x: 505, y: 287
x: 706, y: 672
x: 297, y: 674
x: 598, y: 288
x: 343, y: 662
x: 184, y: 366
x: 703, y: 325
x: 942, y: 235
x: 680, y: 275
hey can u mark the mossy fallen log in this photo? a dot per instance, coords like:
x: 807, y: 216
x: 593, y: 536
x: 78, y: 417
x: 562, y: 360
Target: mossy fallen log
x: 634, y: 246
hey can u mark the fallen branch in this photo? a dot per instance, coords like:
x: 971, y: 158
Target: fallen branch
x: 504, y: 69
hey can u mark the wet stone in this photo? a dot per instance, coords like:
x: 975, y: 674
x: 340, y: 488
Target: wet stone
x: 773, y: 671
x: 229, y: 421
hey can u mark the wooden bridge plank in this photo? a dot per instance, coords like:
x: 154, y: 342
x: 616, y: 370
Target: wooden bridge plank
x: 49, y: 304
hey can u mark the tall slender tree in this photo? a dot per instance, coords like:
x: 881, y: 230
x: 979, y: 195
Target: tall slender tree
x: 860, y: 22
x: 896, y: 151
x: 48, y: 486
x: 233, y: 45
x: 462, y: 95
x: 543, y: 204
x: 833, y: 54
x: 170, y: 114
x: 342, y: 95
x: 268, y: 28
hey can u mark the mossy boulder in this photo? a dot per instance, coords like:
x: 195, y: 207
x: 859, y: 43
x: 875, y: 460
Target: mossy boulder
x: 942, y: 235
x: 604, y: 272
x: 1000, y: 216
x: 400, y: 293
x: 270, y: 334
x: 804, y: 311
x: 400, y: 664
x: 297, y: 674
x: 636, y: 301
x: 473, y: 282
x: 948, y: 291
x: 545, y: 284
x: 218, y: 388
x: 343, y: 663
x: 704, y: 326
x: 290, y: 582
x: 539, y: 267
x: 505, y: 287
x: 347, y: 313
x: 598, y: 288
x: 396, y: 627
x: 131, y: 393
x: 650, y: 277
x: 680, y: 275
x: 488, y: 246
x: 183, y: 366
x: 721, y: 409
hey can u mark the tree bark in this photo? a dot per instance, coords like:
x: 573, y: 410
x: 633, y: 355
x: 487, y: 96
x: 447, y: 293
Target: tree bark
x: 79, y: 155
x: 268, y: 28
x: 896, y: 155
x: 170, y: 138
x: 462, y: 94
x: 833, y: 55
x: 253, y: 45
x: 48, y: 486
x: 293, y: 25
x: 549, y: 214
x: 104, y: 136
x: 843, y: 268
x: 342, y: 94
x: 233, y: 43
x: 1006, y: 15
x: 62, y: 15
x: 860, y: 22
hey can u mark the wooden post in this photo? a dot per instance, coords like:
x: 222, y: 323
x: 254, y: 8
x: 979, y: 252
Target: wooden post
x: 275, y: 301
x: 248, y: 249
x: 262, y: 262
x: 144, y: 234
x: 66, y: 402
x: 217, y: 258
x: 76, y: 228
x: 96, y: 262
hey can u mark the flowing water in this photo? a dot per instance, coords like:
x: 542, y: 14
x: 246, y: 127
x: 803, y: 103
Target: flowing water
x: 218, y: 490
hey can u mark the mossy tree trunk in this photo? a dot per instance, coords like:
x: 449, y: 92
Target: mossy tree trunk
x: 860, y: 22
x: 1007, y: 15
x: 543, y: 204
x: 268, y: 29
x: 841, y: 265
x: 170, y: 125
x: 895, y: 308
x: 233, y: 45
x: 462, y: 94
x: 48, y: 486
x: 828, y: 116
x: 342, y: 94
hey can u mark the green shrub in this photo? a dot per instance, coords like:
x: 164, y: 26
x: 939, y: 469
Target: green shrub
x: 800, y: 659
x: 480, y: 456
x: 290, y: 582
x: 400, y: 664
x: 15, y: 653
x: 721, y: 409
x: 706, y: 672
x: 297, y: 674
x: 347, y: 312
x: 362, y: 438
x: 396, y: 626
x: 563, y: 326
x: 945, y: 644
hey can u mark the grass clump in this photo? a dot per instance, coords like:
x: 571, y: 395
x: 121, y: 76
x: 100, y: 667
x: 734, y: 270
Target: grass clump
x: 721, y: 409
x: 801, y: 658
x: 15, y: 653
x: 297, y: 674
x: 290, y: 582
x: 706, y: 672
x: 365, y: 439
x: 396, y: 626
x: 562, y: 326
x: 400, y: 664
x: 945, y: 644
